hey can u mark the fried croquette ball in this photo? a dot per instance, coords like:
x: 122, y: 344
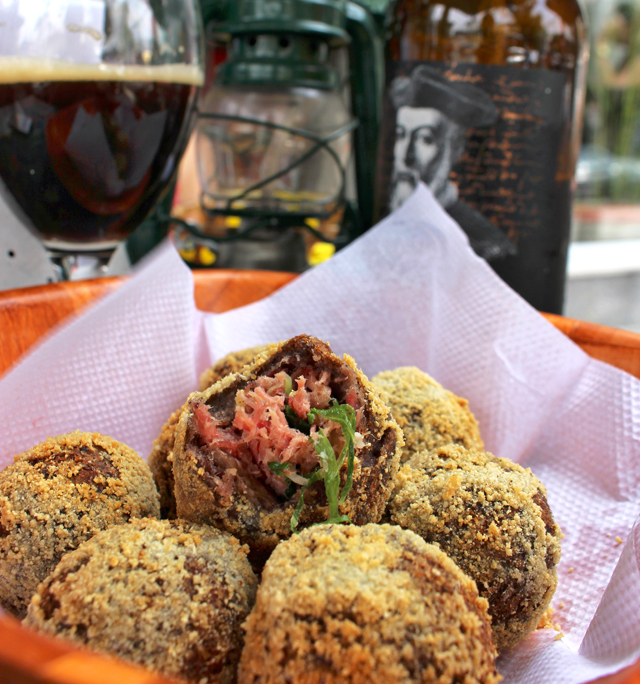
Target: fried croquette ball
x: 366, y: 605
x: 59, y: 494
x: 160, y: 462
x: 245, y: 449
x: 161, y: 457
x: 231, y: 363
x: 492, y: 517
x: 428, y: 415
x: 163, y: 594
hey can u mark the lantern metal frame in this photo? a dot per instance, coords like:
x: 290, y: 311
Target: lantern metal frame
x: 319, y: 144
x: 274, y: 219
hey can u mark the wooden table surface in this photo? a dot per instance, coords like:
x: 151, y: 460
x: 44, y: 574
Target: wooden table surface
x: 28, y: 314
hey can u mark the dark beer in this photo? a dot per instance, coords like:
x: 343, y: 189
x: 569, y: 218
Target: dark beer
x: 85, y: 151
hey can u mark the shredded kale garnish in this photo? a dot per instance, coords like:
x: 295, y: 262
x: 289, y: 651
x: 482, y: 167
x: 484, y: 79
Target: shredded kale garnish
x: 294, y: 420
x: 278, y: 468
x: 345, y: 416
x: 290, y: 491
x: 282, y: 469
x: 330, y: 465
x: 290, y: 476
x: 317, y: 474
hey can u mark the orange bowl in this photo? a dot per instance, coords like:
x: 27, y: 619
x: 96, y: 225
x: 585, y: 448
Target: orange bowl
x: 26, y: 315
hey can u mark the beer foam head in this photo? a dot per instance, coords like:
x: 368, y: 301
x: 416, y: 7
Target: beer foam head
x: 39, y: 70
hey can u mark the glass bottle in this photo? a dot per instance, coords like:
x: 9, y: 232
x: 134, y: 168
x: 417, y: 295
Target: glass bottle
x: 483, y: 102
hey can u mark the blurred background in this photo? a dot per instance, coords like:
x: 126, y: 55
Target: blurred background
x: 603, y: 273
x: 603, y: 283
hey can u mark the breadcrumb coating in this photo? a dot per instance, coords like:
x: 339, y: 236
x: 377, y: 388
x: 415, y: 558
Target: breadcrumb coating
x: 492, y: 517
x: 59, y: 494
x: 231, y: 363
x: 164, y: 594
x: 372, y: 604
x: 428, y: 415
x: 160, y: 462
x: 161, y: 457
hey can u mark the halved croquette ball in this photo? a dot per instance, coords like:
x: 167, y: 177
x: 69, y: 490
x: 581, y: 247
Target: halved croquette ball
x: 264, y: 446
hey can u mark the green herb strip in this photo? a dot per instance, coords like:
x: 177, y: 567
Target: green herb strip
x: 278, y: 468
x: 295, y: 421
x: 330, y: 466
x: 345, y: 416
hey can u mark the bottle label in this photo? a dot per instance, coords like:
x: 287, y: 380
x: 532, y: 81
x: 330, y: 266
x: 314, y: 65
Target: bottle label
x: 486, y: 140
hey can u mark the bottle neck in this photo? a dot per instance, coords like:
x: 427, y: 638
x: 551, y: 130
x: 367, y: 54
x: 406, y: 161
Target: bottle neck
x: 547, y: 35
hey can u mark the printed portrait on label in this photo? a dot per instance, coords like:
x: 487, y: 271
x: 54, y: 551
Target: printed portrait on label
x: 433, y: 115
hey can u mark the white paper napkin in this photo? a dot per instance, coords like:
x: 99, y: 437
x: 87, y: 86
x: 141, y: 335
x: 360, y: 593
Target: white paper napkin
x: 410, y: 291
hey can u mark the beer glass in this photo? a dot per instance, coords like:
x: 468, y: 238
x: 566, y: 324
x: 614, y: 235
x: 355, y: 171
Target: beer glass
x: 96, y: 103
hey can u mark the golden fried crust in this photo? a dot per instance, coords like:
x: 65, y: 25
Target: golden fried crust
x: 231, y: 363
x: 164, y: 594
x: 428, y: 415
x: 366, y: 605
x: 492, y: 517
x: 160, y: 462
x: 59, y: 494
x: 376, y: 464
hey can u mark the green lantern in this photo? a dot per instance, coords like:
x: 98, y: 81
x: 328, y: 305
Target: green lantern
x: 287, y: 132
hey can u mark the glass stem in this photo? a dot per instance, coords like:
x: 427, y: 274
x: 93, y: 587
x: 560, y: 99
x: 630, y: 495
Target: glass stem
x: 80, y: 266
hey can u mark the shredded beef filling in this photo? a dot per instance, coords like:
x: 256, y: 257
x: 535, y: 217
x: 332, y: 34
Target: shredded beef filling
x: 260, y: 433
